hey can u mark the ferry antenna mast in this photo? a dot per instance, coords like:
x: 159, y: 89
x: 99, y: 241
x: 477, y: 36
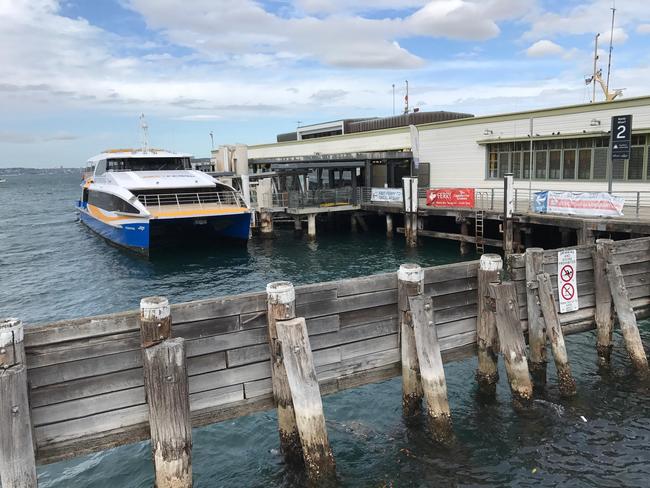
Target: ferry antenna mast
x: 145, y: 133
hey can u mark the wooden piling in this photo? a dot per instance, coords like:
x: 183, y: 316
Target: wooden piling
x: 536, y: 325
x: 353, y: 223
x: 410, y: 282
x: 17, y: 460
x: 389, y: 225
x: 155, y: 321
x: 627, y: 319
x: 604, y: 315
x: 297, y: 224
x: 487, y: 374
x: 464, y: 245
x: 298, y: 362
x: 281, y: 305
x: 311, y: 226
x: 432, y: 373
x: 167, y: 394
x: 549, y: 310
x: 266, y: 224
x: 511, y: 340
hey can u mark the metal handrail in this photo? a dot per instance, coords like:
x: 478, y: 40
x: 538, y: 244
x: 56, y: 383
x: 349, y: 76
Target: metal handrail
x: 219, y: 199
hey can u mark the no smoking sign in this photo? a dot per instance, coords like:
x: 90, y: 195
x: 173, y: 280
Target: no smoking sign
x: 566, y: 281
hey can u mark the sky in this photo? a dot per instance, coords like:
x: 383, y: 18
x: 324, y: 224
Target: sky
x: 76, y: 74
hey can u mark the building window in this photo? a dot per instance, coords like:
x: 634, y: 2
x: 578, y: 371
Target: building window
x: 569, y: 169
x: 540, y: 165
x: 503, y: 163
x: 584, y: 164
x: 583, y: 158
x: 600, y: 163
x: 635, y: 164
x: 554, y: 165
x: 516, y: 164
x: 493, y: 171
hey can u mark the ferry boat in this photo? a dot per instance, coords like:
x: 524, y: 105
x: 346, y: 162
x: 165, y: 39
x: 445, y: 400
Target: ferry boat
x: 142, y: 199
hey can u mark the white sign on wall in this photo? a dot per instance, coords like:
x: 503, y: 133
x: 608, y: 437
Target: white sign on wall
x: 567, y: 284
x: 386, y: 195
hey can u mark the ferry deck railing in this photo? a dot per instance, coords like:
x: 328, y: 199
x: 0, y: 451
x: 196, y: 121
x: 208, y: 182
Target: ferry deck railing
x: 202, y: 199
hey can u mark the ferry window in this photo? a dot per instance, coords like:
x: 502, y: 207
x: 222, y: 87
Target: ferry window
x: 635, y: 164
x: 109, y: 202
x: 584, y: 164
x: 569, y: 169
x: 540, y: 165
x: 554, y: 165
x: 100, y: 169
x: 600, y: 163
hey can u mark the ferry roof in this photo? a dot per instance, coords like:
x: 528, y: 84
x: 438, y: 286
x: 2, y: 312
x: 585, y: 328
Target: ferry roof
x: 137, y: 153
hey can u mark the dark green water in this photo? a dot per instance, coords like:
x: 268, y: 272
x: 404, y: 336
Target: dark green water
x: 51, y: 268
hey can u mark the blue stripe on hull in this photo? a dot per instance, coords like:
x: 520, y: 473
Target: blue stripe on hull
x: 239, y: 227
x: 132, y: 236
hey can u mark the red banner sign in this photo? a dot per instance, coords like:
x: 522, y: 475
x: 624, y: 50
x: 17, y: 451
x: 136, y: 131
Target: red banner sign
x: 451, y: 197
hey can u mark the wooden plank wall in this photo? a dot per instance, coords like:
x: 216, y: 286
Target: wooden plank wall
x: 86, y: 381
x: 85, y: 375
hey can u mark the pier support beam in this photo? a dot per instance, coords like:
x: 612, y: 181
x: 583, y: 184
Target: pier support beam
x: 281, y: 305
x: 410, y: 282
x: 266, y: 224
x: 536, y: 325
x: 167, y: 394
x: 584, y: 235
x: 432, y: 373
x: 311, y: 226
x: 389, y: 225
x: 511, y: 340
x: 411, y: 229
x: 298, y: 363
x: 554, y: 332
x: 464, y: 245
x: 353, y: 222
x: 17, y: 460
x: 487, y: 374
x: 297, y: 224
x: 627, y: 319
x: 604, y: 313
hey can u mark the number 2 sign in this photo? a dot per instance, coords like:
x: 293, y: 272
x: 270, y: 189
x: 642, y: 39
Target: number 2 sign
x: 621, y: 136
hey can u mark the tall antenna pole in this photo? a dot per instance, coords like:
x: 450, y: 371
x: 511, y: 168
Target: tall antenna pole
x: 595, y: 74
x: 611, y: 41
x: 406, y: 98
x: 393, y: 98
x: 145, y: 133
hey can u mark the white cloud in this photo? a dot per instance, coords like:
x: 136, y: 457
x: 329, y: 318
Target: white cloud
x: 544, y: 48
x: 643, y: 29
x: 587, y: 17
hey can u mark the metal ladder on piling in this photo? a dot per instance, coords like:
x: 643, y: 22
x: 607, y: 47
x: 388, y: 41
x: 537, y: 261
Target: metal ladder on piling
x: 478, y: 224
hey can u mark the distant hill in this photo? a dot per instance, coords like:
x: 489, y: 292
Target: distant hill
x: 37, y: 171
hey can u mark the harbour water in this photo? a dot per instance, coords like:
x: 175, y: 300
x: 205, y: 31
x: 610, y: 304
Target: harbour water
x: 51, y: 267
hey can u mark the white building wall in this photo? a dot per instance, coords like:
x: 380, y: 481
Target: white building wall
x: 457, y: 160
x: 364, y: 142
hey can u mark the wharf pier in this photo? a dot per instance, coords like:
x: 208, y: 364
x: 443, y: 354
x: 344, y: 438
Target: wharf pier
x: 79, y: 386
x: 478, y: 226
